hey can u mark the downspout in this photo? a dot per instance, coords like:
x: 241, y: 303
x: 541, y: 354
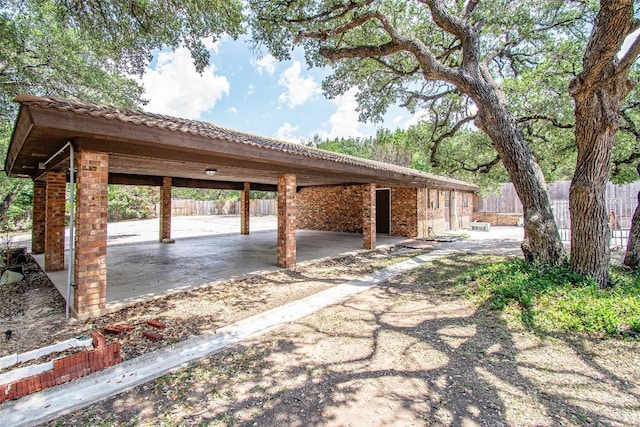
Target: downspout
x: 72, y: 243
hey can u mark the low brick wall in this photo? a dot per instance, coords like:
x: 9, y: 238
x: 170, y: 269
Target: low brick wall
x: 66, y: 369
x: 497, y: 218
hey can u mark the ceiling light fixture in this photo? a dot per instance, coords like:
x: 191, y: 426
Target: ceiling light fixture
x: 211, y: 171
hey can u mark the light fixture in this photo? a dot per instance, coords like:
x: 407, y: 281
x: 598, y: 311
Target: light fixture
x: 210, y: 171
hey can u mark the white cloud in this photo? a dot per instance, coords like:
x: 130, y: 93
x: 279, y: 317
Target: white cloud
x: 298, y: 89
x: 287, y: 131
x: 250, y: 89
x: 175, y: 88
x: 344, y: 123
x: 232, y: 110
x: 266, y: 63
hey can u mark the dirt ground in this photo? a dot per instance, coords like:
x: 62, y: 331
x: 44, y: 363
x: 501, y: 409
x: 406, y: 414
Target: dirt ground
x: 34, y: 311
x: 411, y: 351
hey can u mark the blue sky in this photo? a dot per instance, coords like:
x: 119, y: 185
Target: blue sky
x: 256, y: 94
x: 260, y: 95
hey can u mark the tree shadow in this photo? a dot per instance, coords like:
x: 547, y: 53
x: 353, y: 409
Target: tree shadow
x: 407, y: 352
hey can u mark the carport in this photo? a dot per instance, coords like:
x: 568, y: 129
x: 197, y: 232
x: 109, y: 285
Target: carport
x: 57, y: 140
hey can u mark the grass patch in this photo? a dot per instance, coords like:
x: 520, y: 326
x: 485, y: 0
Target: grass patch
x: 553, y: 299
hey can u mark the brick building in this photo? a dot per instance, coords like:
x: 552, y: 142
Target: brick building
x: 316, y: 189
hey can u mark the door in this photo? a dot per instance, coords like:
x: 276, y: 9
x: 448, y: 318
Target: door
x: 383, y: 211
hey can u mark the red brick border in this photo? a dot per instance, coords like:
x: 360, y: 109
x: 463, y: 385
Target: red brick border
x: 66, y: 369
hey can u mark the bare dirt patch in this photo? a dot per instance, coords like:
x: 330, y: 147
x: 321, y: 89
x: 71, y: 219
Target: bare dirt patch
x: 409, y: 352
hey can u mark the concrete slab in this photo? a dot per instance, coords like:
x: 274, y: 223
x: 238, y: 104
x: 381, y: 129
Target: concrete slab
x: 206, y: 250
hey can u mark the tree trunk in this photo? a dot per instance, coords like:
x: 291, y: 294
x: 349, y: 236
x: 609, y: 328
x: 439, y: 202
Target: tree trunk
x: 598, y: 92
x: 542, y: 243
x: 10, y: 197
x: 632, y: 256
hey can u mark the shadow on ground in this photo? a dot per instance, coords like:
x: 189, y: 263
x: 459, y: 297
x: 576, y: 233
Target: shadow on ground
x: 409, y: 352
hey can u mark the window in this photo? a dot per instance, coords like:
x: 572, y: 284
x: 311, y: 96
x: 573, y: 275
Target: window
x: 465, y: 200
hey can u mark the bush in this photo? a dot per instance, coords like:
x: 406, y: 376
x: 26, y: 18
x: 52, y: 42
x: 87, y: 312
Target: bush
x: 555, y: 299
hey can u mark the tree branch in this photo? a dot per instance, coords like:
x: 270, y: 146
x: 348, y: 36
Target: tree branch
x: 553, y: 120
x: 437, y: 141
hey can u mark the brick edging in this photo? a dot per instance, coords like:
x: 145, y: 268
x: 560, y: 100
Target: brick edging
x: 66, y: 369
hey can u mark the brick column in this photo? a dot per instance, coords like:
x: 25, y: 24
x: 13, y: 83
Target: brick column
x: 369, y: 216
x: 38, y: 217
x: 245, y: 208
x: 423, y: 228
x: 165, y: 208
x: 286, y: 220
x: 55, y: 195
x: 90, y: 273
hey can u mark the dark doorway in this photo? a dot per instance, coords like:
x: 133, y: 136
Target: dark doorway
x: 383, y: 211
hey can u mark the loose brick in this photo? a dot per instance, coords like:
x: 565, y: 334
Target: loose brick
x: 156, y: 324
x: 118, y: 329
x: 98, y: 339
x: 153, y: 336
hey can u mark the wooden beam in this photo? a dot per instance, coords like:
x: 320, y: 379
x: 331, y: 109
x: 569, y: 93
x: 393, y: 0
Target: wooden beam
x: 128, y: 179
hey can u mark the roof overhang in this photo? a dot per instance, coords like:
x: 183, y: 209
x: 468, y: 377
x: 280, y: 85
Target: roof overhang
x: 144, y: 147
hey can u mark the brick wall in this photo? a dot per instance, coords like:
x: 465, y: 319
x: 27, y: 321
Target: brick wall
x: 497, y: 218
x: 330, y: 208
x: 65, y: 369
x: 435, y: 213
x: 335, y: 208
x: 56, y: 187
x: 404, y: 212
x: 91, y: 233
x: 38, y: 217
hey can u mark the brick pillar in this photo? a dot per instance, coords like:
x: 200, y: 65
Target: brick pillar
x: 286, y: 220
x: 90, y: 273
x: 38, y: 217
x: 453, y: 209
x: 245, y: 208
x: 423, y: 228
x: 369, y: 216
x: 165, y: 208
x: 55, y: 199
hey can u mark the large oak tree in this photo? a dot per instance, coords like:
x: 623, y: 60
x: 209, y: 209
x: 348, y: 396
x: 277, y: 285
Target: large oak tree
x: 599, y: 91
x: 412, y: 52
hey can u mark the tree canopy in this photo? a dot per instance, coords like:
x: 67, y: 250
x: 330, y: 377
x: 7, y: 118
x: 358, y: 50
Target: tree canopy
x: 88, y: 49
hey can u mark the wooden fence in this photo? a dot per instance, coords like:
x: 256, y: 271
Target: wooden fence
x: 621, y: 204
x: 258, y: 207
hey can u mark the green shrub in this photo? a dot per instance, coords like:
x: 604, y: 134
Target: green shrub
x: 556, y: 299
